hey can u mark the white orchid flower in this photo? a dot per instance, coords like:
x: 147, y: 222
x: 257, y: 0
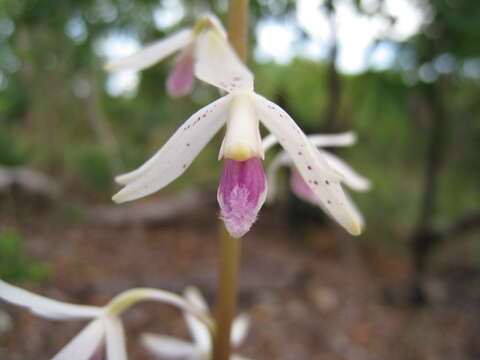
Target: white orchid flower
x: 243, y: 186
x: 104, y: 335
x: 206, y: 40
x: 350, y: 177
x: 201, y: 348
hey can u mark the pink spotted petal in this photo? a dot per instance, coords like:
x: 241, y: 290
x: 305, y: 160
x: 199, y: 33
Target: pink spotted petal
x: 301, y: 188
x: 241, y: 194
x: 180, y: 81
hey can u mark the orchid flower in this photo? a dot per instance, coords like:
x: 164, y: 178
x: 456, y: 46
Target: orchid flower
x: 349, y: 176
x: 243, y: 186
x: 207, y: 39
x: 201, y: 348
x: 104, y: 335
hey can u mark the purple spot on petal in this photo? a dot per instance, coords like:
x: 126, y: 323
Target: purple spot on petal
x: 241, y: 194
x: 327, y: 182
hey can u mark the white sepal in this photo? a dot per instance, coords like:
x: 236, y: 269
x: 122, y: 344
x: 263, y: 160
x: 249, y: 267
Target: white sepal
x: 152, y: 53
x: 176, y: 155
x: 314, y: 169
x: 239, y: 331
x: 217, y: 64
x: 46, y: 307
x: 85, y: 344
x: 115, y: 339
x: 347, y: 138
x: 169, y: 347
x: 242, y: 139
x: 272, y: 172
x: 350, y: 177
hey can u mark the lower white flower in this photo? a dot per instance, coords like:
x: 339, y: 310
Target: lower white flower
x: 348, y: 175
x: 201, y: 348
x: 103, y: 337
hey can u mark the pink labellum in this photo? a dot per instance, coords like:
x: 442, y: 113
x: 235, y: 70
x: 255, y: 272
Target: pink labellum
x: 100, y: 353
x: 180, y: 81
x: 241, y: 194
x: 301, y: 188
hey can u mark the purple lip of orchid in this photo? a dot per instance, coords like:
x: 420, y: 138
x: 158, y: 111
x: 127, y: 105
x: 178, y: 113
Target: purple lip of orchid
x: 301, y: 188
x: 180, y: 81
x: 241, y: 194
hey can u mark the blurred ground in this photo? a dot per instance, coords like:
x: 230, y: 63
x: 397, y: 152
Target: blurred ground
x: 325, y: 297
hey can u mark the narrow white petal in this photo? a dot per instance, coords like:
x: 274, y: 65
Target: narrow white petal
x: 44, y: 306
x: 115, y: 339
x: 272, y: 174
x: 176, y: 155
x: 217, y: 24
x: 153, y: 53
x: 350, y: 177
x: 240, y: 327
x: 342, y: 139
x: 200, y: 333
x: 169, y: 347
x: 313, y: 168
x: 218, y: 64
x: 195, y: 297
x: 242, y: 139
x: 84, y: 345
x: 269, y: 141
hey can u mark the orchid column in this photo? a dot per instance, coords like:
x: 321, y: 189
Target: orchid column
x: 229, y: 247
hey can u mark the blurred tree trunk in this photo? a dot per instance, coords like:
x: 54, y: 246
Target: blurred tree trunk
x: 424, y: 236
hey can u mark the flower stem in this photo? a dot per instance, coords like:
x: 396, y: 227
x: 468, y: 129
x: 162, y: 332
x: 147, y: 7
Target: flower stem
x: 230, y: 248
x: 229, y: 264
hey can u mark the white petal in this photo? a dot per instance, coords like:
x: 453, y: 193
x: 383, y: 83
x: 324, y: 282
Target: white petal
x: 240, y: 327
x: 242, y: 139
x: 342, y: 139
x: 199, y: 331
x: 195, y: 297
x: 84, y: 345
x: 316, y: 172
x: 44, y: 306
x: 218, y: 64
x: 115, y: 339
x: 169, y: 347
x: 272, y: 174
x: 153, y: 53
x: 176, y: 155
x: 350, y: 177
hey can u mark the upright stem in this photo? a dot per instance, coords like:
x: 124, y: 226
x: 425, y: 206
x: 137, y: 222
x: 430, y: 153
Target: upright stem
x: 230, y: 248
x: 229, y: 264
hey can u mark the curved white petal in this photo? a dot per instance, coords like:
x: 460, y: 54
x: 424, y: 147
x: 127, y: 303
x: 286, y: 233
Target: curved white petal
x: 44, y: 306
x: 169, y: 347
x: 272, y: 174
x: 350, y: 177
x: 115, y: 339
x: 217, y: 24
x: 218, y: 64
x: 347, y: 138
x: 152, y: 53
x: 342, y: 139
x: 242, y: 139
x: 198, y: 330
x: 176, y: 155
x: 239, y: 331
x: 314, y: 169
x: 200, y: 333
x: 195, y: 297
x: 84, y: 345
